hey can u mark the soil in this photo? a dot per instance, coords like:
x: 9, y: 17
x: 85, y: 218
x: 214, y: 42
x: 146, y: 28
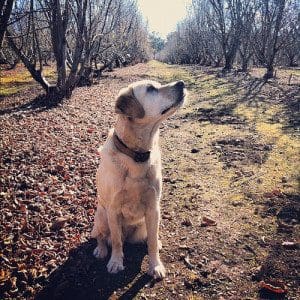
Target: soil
x: 230, y: 206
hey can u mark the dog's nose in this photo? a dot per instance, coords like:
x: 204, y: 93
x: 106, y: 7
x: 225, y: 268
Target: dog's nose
x: 180, y: 84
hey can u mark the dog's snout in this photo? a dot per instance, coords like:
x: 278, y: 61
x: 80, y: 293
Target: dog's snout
x: 180, y: 84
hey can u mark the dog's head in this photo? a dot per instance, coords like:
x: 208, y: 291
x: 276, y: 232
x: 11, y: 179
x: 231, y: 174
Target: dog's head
x: 150, y: 101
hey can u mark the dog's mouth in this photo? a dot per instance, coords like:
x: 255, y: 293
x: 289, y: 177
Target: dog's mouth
x: 178, y: 102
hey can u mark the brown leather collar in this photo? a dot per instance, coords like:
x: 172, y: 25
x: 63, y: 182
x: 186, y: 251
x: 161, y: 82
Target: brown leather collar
x: 138, y: 157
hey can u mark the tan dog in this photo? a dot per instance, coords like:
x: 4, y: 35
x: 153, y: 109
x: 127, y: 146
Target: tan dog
x: 129, y: 177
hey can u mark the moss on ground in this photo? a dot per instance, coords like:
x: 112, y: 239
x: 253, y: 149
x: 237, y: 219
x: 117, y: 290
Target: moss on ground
x: 18, y: 79
x: 207, y: 91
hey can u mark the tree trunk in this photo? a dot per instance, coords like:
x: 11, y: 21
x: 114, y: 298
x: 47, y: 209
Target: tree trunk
x: 36, y: 74
x: 13, y: 64
x: 228, y: 63
x: 270, y: 69
x: 218, y: 62
x: 292, y: 62
x: 81, y: 43
x: 5, y: 11
x: 230, y: 57
x: 270, y: 72
x: 245, y: 63
x: 85, y: 77
x: 58, y: 36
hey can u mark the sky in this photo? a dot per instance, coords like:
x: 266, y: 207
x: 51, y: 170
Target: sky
x: 163, y: 15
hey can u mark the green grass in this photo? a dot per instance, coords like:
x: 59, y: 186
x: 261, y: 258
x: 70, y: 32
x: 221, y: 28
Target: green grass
x: 14, y: 81
x: 209, y: 91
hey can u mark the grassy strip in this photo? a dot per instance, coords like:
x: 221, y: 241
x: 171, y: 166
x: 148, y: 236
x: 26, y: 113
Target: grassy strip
x: 264, y: 120
x: 14, y: 81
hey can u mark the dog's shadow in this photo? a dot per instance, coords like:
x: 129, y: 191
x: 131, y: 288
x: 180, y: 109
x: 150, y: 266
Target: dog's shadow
x: 84, y: 277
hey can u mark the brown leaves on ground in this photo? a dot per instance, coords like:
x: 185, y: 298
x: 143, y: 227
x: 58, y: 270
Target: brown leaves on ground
x: 48, y: 161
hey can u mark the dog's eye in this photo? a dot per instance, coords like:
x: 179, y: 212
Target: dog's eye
x: 151, y: 88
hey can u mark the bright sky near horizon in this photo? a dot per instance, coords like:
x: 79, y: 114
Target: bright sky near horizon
x: 163, y: 15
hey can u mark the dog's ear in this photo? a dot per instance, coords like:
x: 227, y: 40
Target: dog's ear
x: 128, y: 105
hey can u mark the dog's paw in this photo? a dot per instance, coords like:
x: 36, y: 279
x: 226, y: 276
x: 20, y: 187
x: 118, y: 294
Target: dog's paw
x: 100, y: 252
x: 157, y: 271
x: 115, y: 265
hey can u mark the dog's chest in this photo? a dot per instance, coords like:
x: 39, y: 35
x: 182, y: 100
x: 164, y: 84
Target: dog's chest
x: 137, y: 194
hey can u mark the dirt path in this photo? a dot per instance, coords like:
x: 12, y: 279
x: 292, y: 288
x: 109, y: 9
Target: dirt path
x: 230, y: 155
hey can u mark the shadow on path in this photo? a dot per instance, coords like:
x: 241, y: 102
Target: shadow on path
x: 282, y: 262
x: 39, y: 103
x: 84, y: 277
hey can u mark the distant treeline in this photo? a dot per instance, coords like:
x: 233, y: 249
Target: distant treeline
x: 81, y: 38
x: 243, y: 32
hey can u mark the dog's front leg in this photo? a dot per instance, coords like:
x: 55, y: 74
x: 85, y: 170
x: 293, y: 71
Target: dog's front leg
x: 115, y: 263
x: 156, y: 268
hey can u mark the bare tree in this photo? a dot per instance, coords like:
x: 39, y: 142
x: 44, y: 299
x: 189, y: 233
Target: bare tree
x: 5, y: 11
x: 78, y: 34
x: 267, y: 30
x: 248, y: 18
x: 25, y: 42
x: 226, y: 22
x: 225, y: 32
x: 290, y: 36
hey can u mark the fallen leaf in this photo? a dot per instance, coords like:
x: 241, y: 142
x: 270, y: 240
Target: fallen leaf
x: 290, y: 245
x: 91, y: 211
x: 208, y: 222
x: 272, y: 194
x: 183, y: 247
x: 188, y: 263
x: 59, y: 223
x: 23, y: 209
x: 187, y: 222
x: 13, y: 282
x: 4, y: 275
x: 274, y: 286
x: 284, y: 225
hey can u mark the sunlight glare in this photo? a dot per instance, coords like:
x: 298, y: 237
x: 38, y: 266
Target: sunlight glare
x: 163, y: 15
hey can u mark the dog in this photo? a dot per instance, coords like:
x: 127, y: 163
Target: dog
x: 129, y: 179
